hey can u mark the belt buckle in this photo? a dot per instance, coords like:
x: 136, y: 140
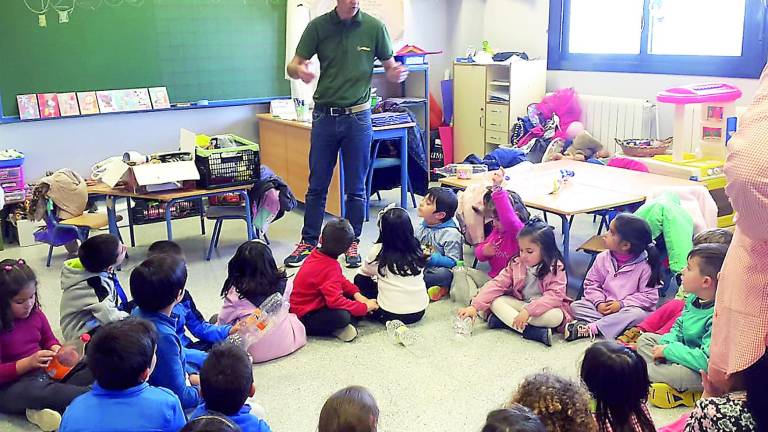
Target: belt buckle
x: 335, y: 112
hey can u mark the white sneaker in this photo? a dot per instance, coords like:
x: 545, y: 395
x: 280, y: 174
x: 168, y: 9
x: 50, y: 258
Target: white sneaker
x: 47, y: 420
x: 346, y: 334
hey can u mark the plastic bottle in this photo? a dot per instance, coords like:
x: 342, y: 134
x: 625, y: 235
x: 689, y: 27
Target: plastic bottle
x: 462, y: 327
x: 461, y: 170
x: 460, y: 286
x: 67, y: 358
x: 399, y: 333
x: 271, y: 311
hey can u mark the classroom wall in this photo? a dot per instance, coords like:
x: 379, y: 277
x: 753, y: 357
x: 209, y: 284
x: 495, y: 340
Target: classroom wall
x: 521, y: 25
x: 80, y: 142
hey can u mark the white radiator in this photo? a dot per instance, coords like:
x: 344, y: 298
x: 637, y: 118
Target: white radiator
x: 608, y: 117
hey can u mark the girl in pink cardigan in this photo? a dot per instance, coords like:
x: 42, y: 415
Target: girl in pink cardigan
x: 508, y: 213
x: 528, y: 296
x: 253, y: 276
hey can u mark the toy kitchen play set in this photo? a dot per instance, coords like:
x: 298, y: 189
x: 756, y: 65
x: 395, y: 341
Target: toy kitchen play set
x: 712, y: 129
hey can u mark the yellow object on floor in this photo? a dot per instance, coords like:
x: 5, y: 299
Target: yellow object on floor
x: 665, y: 396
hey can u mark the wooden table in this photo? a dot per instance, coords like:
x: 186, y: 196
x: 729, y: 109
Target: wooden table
x: 594, y: 187
x: 169, y: 198
x: 284, y: 147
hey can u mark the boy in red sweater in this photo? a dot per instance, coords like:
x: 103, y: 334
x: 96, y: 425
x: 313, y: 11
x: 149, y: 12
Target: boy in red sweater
x: 322, y: 298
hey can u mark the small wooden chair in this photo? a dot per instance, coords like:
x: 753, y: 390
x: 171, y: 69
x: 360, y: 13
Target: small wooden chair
x: 80, y: 225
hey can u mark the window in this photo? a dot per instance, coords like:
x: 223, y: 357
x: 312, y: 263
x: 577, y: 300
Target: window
x: 682, y: 37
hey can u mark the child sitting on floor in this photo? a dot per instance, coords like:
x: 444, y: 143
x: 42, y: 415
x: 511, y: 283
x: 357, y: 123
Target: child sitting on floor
x: 621, y: 288
x: 157, y: 285
x: 323, y: 299
x: 226, y: 381
x: 675, y: 359
x: 560, y: 403
x: 441, y: 239
x: 662, y: 320
x: 529, y: 294
x: 27, y: 345
x: 91, y: 291
x: 252, y: 277
x: 392, y: 271
x: 349, y: 409
x: 189, y: 318
x: 514, y: 418
x: 121, y: 357
x: 508, y: 213
x: 618, y: 380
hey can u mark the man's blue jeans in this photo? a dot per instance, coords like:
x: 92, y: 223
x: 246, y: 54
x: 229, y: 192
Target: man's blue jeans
x: 352, y: 135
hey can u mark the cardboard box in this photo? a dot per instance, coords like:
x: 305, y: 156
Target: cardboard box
x: 26, y: 231
x: 152, y: 177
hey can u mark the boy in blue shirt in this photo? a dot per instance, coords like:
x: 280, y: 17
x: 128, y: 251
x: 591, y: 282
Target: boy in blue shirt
x: 157, y: 285
x: 226, y: 380
x: 188, y: 317
x: 121, y: 356
x: 440, y: 237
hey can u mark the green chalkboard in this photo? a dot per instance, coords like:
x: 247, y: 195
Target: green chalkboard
x: 218, y: 50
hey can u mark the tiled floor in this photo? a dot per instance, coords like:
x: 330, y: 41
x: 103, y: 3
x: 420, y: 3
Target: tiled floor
x: 439, y: 384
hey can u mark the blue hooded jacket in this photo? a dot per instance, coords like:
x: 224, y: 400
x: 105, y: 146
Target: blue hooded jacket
x: 247, y: 421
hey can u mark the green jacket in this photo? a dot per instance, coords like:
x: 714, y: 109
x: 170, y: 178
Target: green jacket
x: 666, y: 217
x: 688, y: 341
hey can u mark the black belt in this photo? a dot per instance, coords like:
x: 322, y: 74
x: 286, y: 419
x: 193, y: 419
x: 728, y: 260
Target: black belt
x: 336, y: 111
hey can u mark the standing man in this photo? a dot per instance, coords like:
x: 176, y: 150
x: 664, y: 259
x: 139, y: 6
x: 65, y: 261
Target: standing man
x: 346, y: 41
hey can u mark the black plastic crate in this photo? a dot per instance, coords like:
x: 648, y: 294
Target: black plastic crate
x: 145, y: 211
x: 232, y: 166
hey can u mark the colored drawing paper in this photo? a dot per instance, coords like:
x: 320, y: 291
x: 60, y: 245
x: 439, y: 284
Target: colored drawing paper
x: 68, y: 104
x: 106, y: 99
x: 88, y: 103
x: 159, y: 97
x: 132, y: 100
x: 49, y: 105
x: 28, y: 106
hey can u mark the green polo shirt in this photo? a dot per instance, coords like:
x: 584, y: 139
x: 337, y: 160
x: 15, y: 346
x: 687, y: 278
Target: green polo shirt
x: 346, y: 50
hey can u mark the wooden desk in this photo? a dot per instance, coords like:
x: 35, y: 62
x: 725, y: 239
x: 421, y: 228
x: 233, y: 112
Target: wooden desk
x: 284, y: 147
x: 594, y: 187
x: 169, y: 198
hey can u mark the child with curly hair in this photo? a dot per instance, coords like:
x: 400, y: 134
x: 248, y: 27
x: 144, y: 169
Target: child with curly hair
x: 563, y: 405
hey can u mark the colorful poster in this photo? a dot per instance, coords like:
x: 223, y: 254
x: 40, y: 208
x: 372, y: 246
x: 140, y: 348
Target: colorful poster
x: 132, y: 100
x: 88, y: 103
x: 49, y: 105
x: 28, y: 108
x: 68, y: 104
x: 159, y: 97
x: 106, y: 99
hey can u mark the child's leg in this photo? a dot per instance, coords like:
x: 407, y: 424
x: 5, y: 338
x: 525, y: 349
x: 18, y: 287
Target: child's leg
x: 438, y: 276
x: 405, y: 318
x: 507, y: 308
x: 368, y: 286
x: 662, y: 320
x: 550, y: 319
x: 584, y: 310
x: 611, y: 326
x: 325, y: 321
x: 673, y: 374
x: 37, y: 391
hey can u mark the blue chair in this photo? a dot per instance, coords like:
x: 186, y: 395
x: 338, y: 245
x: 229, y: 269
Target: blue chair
x: 60, y: 232
x: 219, y: 214
x: 379, y: 163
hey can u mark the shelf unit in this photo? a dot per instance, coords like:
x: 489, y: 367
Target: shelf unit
x: 482, y: 124
x: 415, y: 86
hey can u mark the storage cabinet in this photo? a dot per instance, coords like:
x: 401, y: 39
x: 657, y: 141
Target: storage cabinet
x: 488, y: 99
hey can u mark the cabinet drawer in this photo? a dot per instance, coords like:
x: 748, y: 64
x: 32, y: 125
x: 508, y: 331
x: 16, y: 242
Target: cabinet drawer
x: 497, y: 117
x: 496, y: 137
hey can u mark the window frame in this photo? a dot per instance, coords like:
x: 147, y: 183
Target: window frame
x: 748, y: 65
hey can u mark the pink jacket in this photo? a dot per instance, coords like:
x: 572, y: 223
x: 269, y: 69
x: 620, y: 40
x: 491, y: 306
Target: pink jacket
x: 606, y: 282
x: 286, y: 337
x: 511, y: 281
x: 505, y: 239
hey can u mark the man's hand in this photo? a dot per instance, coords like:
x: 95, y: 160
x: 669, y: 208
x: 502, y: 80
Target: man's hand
x: 305, y: 74
x: 398, y: 73
x: 658, y: 352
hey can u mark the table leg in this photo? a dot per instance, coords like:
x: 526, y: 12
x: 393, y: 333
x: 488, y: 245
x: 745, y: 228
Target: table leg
x: 404, y: 168
x: 111, y: 216
x: 566, y: 240
x: 168, y: 224
x: 248, y: 220
x: 202, y: 216
x: 130, y: 222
